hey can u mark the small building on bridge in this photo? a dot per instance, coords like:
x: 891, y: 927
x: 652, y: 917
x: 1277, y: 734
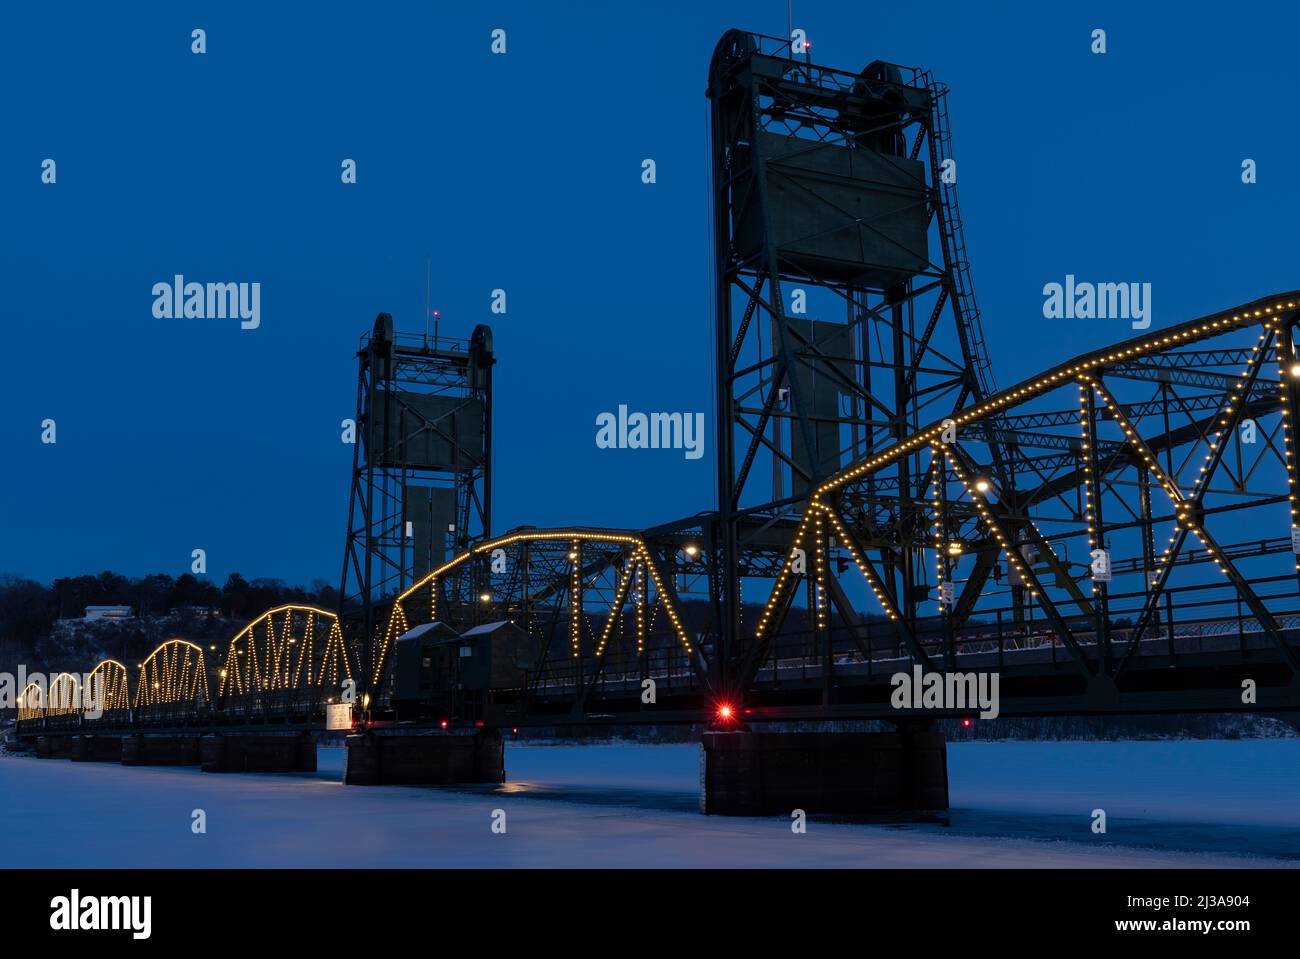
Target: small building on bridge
x: 442, y: 673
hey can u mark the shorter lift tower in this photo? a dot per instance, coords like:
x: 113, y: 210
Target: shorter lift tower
x: 421, y: 466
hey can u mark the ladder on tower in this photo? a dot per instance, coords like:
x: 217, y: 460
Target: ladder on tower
x: 954, y: 241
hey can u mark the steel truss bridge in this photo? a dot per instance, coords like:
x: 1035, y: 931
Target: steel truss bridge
x: 281, y: 669
x: 1116, y: 534
x: 1137, y: 449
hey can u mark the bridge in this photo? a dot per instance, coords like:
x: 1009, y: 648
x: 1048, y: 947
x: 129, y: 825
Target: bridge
x: 1117, y: 534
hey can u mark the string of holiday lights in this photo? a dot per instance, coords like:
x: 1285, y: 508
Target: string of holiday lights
x: 1186, y: 508
x: 663, y: 596
x: 615, y: 608
x: 640, y: 609
x: 860, y: 561
x: 785, y: 574
x: 819, y: 570
x: 936, y: 483
x: 1091, y: 484
x: 1189, y: 332
x: 1288, y: 377
x: 575, y: 598
x: 980, y: 499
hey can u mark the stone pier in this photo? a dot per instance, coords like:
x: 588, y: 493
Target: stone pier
x: 432, y: 758
x: 259, y: 753
x: 141, y: 749
x: 88, y: 748
x: 868, y: 774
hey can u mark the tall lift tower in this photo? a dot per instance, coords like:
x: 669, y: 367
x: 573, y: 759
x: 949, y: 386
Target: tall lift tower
x: 845, y: 314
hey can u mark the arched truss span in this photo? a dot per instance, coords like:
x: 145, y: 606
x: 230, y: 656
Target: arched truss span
x: 110, y: 687
x: 31, y: 702
x: 1148, y: 508
x: 596, y: 599
x: 103, y: 694
x: 65, y: 695
x: 290, y: 659
x: 172, y: 682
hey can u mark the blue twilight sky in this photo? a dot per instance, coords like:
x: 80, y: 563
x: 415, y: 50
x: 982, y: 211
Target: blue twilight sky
x: 523, y: 172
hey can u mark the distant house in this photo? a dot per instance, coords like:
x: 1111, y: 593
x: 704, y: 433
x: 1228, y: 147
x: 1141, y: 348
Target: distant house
x: 108, y: 612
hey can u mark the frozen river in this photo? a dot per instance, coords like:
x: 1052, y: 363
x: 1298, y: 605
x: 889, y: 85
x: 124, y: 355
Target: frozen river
x: 1178, y: 803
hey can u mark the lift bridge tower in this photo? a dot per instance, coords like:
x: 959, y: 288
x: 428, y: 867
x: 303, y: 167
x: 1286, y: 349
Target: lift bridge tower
x: 421, y: 468
x: 845, y: 314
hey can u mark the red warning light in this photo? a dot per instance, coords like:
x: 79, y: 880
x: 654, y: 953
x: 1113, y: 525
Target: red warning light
x: 725, y: 712
x: 443, y: 724
x: 966, y: 723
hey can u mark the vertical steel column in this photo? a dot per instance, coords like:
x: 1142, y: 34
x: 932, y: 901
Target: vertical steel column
x: 1093, y: 481
x: 575, y: 607
x: 1289, y: 386
x: 1148, y: 535
x: 725, y: 566
x: 905, y: 594
x: 945, y: 560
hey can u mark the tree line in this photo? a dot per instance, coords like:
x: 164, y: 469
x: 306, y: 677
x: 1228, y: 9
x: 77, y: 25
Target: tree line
x: 28, y: 609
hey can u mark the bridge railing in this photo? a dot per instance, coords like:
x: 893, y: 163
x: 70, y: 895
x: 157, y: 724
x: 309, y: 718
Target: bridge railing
x: 1202, y: 618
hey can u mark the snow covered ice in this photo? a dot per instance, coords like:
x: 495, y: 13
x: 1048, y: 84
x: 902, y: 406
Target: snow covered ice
x: 1015, y: 804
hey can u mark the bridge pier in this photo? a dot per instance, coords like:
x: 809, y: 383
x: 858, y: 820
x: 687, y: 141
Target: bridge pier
x: 54, y: 747
x: 259, y: 753
x: 774, y: 773
x: 433, y: 758
x: 140, y: 749
x: 100, y: 749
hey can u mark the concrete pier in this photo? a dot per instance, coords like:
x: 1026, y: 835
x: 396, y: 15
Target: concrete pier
x: 96, y: 749
x: 770, y: 774
x: 259, y: 753
x: 54, y: 747
x: 144, y: 750
x: 425, y: 758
